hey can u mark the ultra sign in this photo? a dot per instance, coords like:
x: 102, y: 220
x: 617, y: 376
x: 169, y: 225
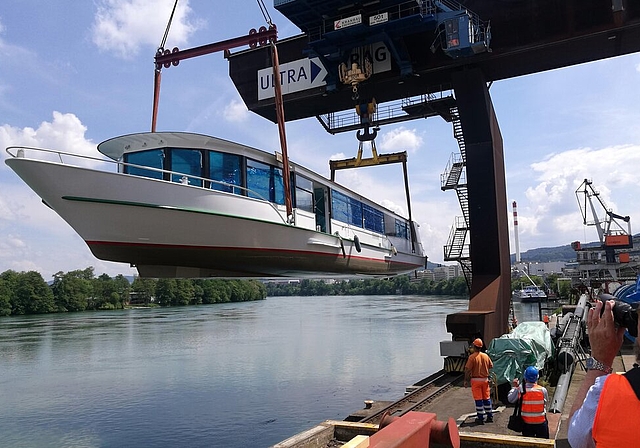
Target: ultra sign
x: 295, y: 76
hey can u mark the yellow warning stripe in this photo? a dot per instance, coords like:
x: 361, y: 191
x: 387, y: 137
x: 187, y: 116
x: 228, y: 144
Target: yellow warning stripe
x: 505, y: 440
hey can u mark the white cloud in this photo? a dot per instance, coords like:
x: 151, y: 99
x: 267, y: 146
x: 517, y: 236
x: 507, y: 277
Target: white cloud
x: 401, y: 139
x: 399, y: 209
x: 236, y: 112
x: 123, y: 26
x: 551, y: 212
x: 64, y: 133
x: 35, y: 234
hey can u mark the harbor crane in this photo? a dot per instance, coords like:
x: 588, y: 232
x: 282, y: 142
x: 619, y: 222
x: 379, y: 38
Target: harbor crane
x: 614, y: 232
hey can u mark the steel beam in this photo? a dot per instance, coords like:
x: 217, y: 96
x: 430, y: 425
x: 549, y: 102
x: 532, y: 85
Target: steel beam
x: 488, y: 223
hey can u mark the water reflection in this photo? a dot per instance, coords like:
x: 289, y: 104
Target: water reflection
x: 234, y: 375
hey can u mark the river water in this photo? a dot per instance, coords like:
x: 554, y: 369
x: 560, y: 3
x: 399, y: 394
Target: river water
x: 228, y: 375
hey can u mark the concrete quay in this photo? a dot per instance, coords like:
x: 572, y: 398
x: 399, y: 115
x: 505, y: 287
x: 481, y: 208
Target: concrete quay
x: 458, y: 404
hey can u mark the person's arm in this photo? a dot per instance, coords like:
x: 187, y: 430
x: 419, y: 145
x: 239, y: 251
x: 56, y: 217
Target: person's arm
x: 467, y: 376
x: 605, y: 339
x: 514, y: 393
x: 580, y: 428
x: 467, y: 370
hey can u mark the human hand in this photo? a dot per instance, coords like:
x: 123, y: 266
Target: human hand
x: 604, y: 336
x: 516, y: 382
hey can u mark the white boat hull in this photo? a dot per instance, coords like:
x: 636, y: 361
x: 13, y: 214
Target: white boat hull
x: 167, y: 229
x: 529, y: 294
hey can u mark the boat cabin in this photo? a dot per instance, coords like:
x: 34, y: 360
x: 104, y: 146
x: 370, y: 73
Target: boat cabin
x: 213, y: 163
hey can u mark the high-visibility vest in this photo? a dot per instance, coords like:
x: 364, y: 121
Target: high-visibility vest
x: 618, y: 412
x: 533, y: 411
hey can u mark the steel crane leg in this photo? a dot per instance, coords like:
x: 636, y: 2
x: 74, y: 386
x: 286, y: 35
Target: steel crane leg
x: 488, y: 218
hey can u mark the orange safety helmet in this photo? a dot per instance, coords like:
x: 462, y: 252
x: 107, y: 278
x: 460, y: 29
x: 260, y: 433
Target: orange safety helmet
x: 478, y: 343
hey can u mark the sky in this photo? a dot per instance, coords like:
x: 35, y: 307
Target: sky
x: 73, y: 74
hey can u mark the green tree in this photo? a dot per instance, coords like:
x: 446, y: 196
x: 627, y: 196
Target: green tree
x: 72, y: 290
x: 32, y: 294
x: 402, y: 284
x: 122, y: 289
x: 144, y: 289
x: 198, y: 293
x: 459, y: 287
x: 564, y: 289
x: 257, y: 290
x: 209, y: 291
x: 102, y: 289
x: 184, y: 292
x: 166, y: 291
x: 5, y: 297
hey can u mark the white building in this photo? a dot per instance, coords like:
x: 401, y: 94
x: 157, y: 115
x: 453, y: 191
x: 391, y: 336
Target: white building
x: 541, y: 269
x: 447, y: 272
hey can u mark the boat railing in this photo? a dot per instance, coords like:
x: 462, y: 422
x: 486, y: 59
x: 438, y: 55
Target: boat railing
x: 19, y: 152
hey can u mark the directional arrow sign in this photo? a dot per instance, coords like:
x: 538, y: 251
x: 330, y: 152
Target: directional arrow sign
x: 295, y: 76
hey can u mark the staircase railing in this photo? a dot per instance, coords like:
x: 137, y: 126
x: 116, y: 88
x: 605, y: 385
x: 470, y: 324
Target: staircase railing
x: 454, y: 178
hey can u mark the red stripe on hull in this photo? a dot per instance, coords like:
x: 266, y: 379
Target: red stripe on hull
x: 256, y: 262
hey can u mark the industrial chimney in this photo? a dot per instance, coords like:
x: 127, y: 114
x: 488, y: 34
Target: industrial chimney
x: 515, y: 230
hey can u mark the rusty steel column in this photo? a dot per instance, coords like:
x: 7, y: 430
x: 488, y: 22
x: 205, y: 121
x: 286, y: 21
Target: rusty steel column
x: 488, y: 218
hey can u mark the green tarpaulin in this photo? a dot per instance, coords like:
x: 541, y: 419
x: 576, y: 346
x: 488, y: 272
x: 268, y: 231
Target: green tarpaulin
x: 529, y: 344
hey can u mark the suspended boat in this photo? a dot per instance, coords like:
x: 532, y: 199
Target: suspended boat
x: 178, y: 204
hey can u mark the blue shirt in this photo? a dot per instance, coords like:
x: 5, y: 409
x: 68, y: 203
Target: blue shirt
x: 581, y: 424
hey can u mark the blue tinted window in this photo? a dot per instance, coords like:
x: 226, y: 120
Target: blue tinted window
x: 277, y: 186
x: 339, y: 207
x: 265, y: 182
x: 401, y: 229
x: 355, y: 211
x: 153, y: 158
x: 373, y: 219
x: 346, y: 209
x: 187, y: 162
x: 225, y: 168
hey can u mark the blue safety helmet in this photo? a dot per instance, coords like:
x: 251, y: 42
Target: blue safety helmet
x: 531, y: 374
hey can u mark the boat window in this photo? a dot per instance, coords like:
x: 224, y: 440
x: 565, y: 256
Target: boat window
x: 402, y: 229
x: 346, y: 209
x: 304, y: 193
x: 153, y: 158
x: 265, y: 182
x: 304, y: 183
x: 225, y: 168
x: 373, y: 219
x: 188, y: 162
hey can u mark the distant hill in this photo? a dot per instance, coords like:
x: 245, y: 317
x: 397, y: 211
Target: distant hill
x: 546, y: 254
x: 559, y: 253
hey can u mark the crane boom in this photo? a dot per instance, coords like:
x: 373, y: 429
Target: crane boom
x: 611, y: 233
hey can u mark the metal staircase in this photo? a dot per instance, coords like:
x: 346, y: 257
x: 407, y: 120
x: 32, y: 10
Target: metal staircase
x: 454, y: 178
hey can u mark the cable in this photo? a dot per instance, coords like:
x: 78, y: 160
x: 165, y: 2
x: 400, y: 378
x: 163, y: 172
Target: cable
x: 166, y: 32
x: 265, y: 12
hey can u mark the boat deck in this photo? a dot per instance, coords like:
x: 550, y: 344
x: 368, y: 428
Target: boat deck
x: 455, y: 402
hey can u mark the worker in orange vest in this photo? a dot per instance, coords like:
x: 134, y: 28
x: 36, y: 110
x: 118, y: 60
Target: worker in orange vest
x: 534, y: 404
x: 477, y: 371
x: 606, y: 408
